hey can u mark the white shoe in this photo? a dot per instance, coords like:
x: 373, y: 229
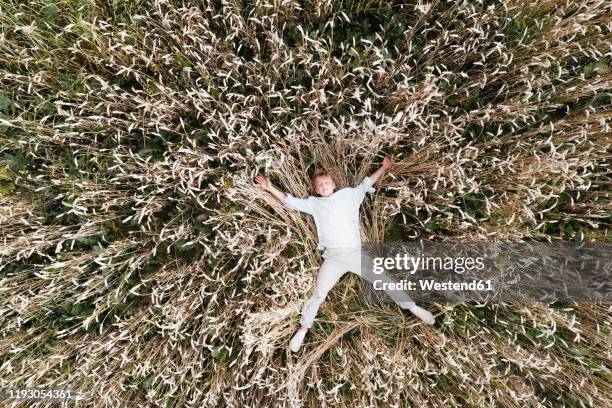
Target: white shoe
x: 423, y: 314
x: 296, y: 340
x: 419, y: 312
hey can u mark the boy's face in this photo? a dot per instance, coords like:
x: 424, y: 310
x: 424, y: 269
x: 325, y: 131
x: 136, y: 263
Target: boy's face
x: 324, y: 186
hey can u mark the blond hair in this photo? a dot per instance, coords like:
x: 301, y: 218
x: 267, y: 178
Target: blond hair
x: 316, y: 175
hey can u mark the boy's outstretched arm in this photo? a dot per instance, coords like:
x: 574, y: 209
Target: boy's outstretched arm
x: 300, y: 204
x: 267, y: 185
x: 387, y: 164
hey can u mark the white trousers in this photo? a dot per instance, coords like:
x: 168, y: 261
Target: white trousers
x: 337, y: 262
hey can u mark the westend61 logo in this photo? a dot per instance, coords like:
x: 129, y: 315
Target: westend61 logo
x: 490, y: 271
x: 412, y: 264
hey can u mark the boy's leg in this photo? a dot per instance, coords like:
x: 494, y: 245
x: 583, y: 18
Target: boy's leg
x: 401, y: 297
x: 329, y: 274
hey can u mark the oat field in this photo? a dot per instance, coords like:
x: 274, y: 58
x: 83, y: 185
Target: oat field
x: 141, y: 266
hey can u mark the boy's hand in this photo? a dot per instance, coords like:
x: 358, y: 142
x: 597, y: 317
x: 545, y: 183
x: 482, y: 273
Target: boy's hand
x: 263, y: 182
x: 388, y: 162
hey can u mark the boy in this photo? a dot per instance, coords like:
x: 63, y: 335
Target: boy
x: 336, y: 216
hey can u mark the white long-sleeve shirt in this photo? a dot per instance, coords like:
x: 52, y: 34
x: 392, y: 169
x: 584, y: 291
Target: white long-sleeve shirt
x: 337, y: 216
